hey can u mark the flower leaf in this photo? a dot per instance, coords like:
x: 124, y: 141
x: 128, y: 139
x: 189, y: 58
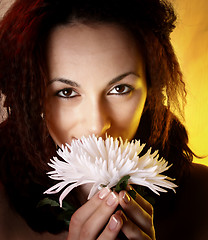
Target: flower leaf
x: 48, y: 201
x: 66, y: 214
x: 122, y: 184
x: 62, y: 215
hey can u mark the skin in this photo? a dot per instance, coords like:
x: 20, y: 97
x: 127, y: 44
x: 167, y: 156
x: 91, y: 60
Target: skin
x: 97, y: 86
x: 107, y: 91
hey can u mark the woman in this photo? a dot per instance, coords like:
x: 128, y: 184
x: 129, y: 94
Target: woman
x: 74, y: 68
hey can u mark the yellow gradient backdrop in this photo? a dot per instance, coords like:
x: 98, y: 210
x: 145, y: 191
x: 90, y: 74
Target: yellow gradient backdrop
x: 190, y: 40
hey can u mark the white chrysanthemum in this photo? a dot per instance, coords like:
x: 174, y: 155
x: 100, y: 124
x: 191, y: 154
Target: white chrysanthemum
x: 105, y: 162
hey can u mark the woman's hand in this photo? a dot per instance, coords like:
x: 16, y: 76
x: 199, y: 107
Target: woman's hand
x: 137, y: 216
x: 96, y: 218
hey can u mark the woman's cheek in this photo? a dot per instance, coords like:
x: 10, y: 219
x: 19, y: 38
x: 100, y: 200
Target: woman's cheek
x: 60, y: 122
x: 127, y: 116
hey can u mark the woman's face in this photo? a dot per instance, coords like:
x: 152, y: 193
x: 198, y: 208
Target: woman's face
x: 96, y: 82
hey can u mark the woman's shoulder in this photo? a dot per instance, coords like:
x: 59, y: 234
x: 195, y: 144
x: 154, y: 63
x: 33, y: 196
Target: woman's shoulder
x: 195, y: 185
x: 192, y: 202
x: 198, y: 178
x: 199, y: 169
x: 184, y: 215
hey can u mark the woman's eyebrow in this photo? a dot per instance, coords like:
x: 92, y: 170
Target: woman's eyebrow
x: 122, y: 76
x: 75, y: 84
x: 64, y: 80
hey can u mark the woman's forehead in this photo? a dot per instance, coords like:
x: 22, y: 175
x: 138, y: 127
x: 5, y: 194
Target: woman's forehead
x: 100, y: 48
x: 88, y: 36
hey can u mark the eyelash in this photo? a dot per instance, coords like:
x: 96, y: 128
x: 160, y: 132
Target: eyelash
x: 61, y: 93
x: 127, y: 89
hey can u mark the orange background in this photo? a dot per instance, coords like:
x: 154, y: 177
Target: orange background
x: 190, y: 40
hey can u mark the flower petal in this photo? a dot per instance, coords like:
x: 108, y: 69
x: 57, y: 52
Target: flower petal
x: 105, y: 162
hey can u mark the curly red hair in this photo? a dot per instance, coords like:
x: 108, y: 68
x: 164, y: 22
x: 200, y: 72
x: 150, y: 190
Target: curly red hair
x: 23, y: 73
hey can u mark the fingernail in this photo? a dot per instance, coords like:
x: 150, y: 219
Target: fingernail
x: 104, y: 192
x: 113, y: 223
x: 126, y: 198
x: 111, y: 199
x: 129, y: 187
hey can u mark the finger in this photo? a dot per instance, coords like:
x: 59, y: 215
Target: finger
x: 112, y: 229
x: 84, y: 212
x: 141, y: 201
x: 136, y: 213
x: 96, y: 222
x: 131, y: 230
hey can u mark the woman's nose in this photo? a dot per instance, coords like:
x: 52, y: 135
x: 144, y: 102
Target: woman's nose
x: 97, y: 119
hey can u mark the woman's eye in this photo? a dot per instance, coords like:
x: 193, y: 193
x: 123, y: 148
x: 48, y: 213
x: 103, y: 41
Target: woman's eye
x: 67, y: 93
x: 121, y: 89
